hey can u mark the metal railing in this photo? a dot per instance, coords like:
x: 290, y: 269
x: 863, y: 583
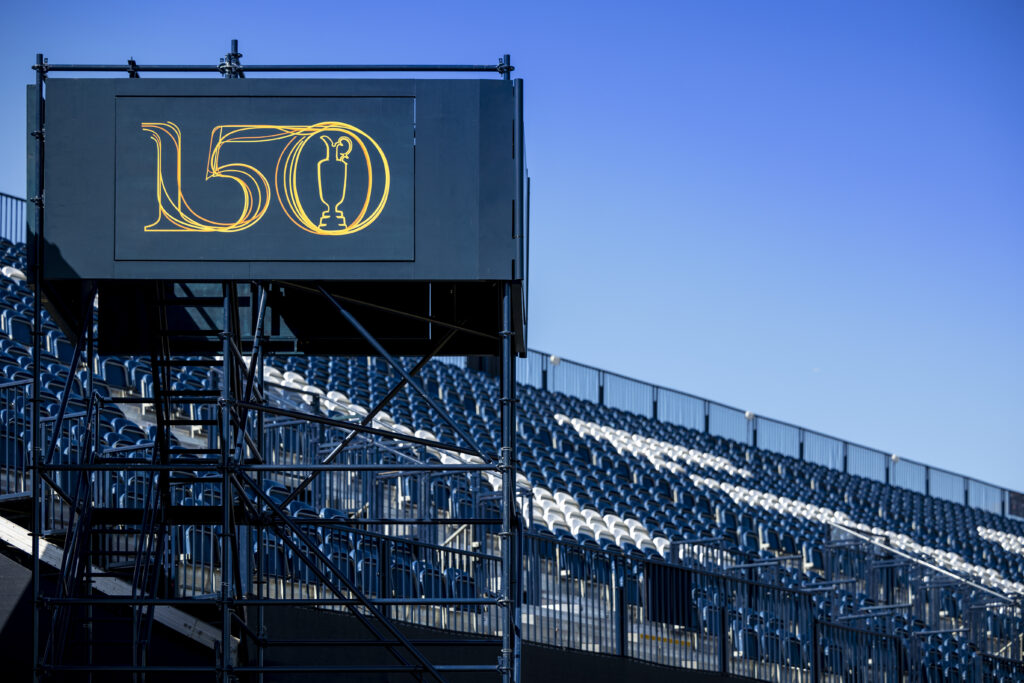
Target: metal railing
x: 576, y: 595
x: 550, y: 373
x: 12, y: 218
x: 14, y: 445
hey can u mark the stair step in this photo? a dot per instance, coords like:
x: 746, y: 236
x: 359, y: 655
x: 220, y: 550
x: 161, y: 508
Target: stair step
x: 195, y: 362
x: 185, y: 400
x: 178, y: 450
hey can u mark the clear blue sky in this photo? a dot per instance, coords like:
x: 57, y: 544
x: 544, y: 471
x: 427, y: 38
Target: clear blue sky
x: 811, y: 210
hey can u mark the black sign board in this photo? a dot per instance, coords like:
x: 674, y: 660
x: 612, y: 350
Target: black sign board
x: 408, y: 195
x: 305, y: 179
x: 335, y: 184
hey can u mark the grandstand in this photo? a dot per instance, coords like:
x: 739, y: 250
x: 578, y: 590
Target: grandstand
x: 662, y: 528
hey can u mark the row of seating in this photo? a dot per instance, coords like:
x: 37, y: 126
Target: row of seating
x: 601, y: 478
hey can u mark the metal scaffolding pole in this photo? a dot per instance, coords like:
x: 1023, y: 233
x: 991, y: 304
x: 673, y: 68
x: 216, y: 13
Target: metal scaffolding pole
x: 37, y: 331
x: 511, y: 546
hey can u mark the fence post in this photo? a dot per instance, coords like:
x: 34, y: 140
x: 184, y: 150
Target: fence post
x: 927, y: 480
x: 620, y: 605
x: 723, y: 641
x: 815, y: 654
x: 707, y: 417
x: 654, y: 393
x: 846, y: 457
x: 600, y: 387
x: 801, y: 433
x: 383, y: 567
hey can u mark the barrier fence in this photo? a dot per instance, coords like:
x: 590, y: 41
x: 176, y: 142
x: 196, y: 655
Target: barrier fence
x: 602, y: 600
x: 12, y: 218
x: 544, y: 371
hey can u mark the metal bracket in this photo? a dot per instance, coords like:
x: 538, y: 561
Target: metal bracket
x: 231, y: 64
x: 505, y: 66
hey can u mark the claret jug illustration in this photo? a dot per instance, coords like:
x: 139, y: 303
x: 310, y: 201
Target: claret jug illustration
x: 332, y: 175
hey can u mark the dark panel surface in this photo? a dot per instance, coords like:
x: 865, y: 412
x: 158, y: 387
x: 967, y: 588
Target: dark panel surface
x: 246, y: 179
x: 449, y: 213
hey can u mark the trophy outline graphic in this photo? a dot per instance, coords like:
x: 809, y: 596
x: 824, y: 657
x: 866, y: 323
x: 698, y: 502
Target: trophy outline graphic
x: 256, y: 190
x: 324, y: 167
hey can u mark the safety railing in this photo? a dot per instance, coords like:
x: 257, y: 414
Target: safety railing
x: 12, y: 218
x: 575, y: 595
x: 844, y: 653
x: 551, y: 373
x: 16, y: 436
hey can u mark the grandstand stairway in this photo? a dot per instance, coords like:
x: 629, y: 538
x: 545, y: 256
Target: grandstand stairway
x: 131, y: 534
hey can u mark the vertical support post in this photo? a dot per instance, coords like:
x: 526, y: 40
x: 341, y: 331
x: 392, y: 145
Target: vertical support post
x: 90, y: 359
x: 231, y: 63
x: 260, y: 340
x: 707, y: 417
x: 654, y: 408
x: 846, y: 457
x: 385, y: 574
x: 511, y: 548
x: 37, y: 302
x: 620, y: 604
x: 815, y: 655
x: 723, y: 640
x: 225, y: 455
x: 801, y: 432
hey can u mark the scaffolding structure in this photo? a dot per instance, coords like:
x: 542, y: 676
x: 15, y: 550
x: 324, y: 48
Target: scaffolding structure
x: 192, y: 528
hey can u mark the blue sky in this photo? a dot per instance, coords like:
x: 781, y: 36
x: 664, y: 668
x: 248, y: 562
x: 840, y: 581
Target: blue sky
x: 811, y: 210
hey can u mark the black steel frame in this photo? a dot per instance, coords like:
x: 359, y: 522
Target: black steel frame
x: 240, y: 404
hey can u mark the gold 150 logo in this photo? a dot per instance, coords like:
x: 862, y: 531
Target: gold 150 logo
x: 350, y: 157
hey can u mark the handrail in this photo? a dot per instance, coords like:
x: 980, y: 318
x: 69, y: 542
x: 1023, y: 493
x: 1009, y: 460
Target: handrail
x: 917, y: 560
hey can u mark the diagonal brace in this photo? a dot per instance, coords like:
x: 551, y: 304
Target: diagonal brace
x: 372, y: 341
x: 367, y: 419
x: 242, y: 480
